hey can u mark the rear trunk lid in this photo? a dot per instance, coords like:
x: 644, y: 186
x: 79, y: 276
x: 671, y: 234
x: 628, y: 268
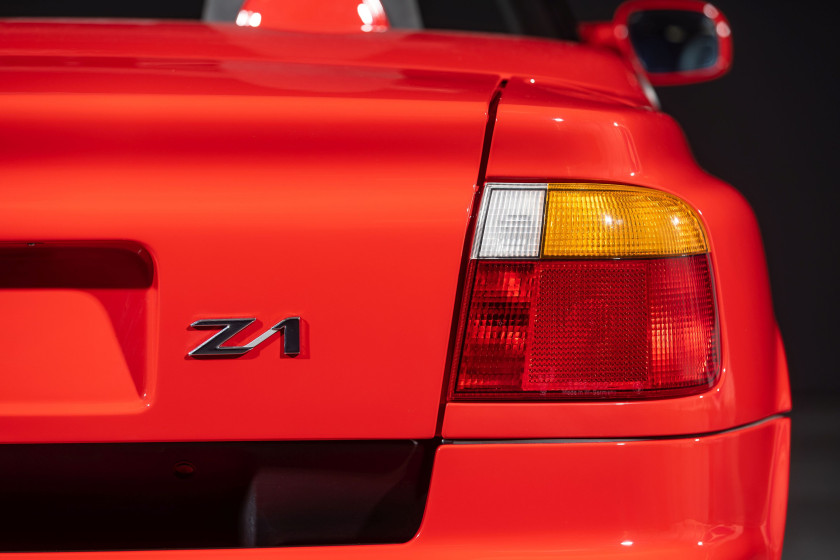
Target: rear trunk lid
x: 141, y: 195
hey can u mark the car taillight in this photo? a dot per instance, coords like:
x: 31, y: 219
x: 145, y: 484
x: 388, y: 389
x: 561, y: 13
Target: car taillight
x: 579, y: 291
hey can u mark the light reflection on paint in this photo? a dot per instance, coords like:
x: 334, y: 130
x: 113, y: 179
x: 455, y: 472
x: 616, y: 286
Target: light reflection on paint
x: 364, y: 14
x: 710, y: 11
x: 247, y: 18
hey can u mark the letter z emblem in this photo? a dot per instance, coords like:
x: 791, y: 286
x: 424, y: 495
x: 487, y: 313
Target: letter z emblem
x: 212, y: 347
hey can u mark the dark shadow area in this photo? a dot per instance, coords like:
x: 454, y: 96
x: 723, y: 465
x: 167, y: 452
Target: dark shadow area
x: 145, y: 9
x: 136, y: 496
x: 75, y: 266
x: 814, y: 501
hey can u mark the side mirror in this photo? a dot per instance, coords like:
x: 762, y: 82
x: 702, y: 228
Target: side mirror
x: 672, y: 42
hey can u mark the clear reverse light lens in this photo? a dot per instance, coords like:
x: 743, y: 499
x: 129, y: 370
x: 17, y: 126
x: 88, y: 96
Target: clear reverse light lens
x: 511, y: 223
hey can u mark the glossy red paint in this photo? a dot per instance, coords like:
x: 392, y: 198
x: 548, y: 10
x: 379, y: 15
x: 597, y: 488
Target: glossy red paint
x: 206, y: 162
x: 259, y: 173
x: 719, y: 496
x: 268, y: 204
x: 188, y: 58
x: 614, y: 35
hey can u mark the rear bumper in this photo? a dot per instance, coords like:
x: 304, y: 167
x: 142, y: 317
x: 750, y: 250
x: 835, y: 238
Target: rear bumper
x: 715, y: 496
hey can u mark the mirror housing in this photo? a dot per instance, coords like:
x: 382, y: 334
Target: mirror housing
x: 671, y: 42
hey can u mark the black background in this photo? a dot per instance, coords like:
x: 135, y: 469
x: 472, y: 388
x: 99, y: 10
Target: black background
x: 176, y: 9
x: 769, y: 128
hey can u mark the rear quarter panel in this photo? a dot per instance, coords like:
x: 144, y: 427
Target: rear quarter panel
x: 544, y: 134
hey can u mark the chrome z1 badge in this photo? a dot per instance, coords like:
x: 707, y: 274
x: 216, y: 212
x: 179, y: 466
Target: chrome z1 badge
x: 212, y: 347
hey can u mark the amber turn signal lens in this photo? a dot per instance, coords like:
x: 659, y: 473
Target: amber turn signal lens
x: 610, y: 221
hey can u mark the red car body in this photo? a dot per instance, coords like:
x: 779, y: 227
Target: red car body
x: 228, y: 172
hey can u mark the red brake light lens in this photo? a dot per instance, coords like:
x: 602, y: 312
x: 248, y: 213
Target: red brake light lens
x: 633, y: 328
